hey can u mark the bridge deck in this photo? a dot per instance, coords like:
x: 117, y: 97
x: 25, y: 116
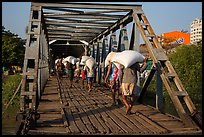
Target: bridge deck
x: 74, y: 111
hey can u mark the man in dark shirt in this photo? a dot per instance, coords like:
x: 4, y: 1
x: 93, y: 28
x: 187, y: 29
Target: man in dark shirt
x: 129, y: 82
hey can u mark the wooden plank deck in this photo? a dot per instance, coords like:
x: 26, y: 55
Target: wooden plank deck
x: 72, y: 111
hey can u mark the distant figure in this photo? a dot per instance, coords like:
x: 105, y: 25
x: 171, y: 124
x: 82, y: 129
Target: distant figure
x: 60, y: 68
x: 90, y: 73
x: 71, y: 69
x: 77, y: 72
x: 129, y: 82
x: 83, y: 76
x: 113, y: 74
x: 67, y: 68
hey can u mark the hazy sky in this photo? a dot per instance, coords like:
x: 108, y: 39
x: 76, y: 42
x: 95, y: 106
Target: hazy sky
x: 162, y: 16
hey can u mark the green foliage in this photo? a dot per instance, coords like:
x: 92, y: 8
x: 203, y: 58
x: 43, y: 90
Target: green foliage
x: 12, y: 49
x: 9, y: 86
x: 187, y: 62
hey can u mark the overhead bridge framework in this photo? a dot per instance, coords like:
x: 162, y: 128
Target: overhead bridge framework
x: 76, y: 29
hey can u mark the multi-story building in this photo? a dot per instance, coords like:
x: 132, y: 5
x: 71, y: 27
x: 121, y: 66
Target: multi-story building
x: 196, y: 31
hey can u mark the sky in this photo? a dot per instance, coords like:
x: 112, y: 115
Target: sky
x: 162, y: 16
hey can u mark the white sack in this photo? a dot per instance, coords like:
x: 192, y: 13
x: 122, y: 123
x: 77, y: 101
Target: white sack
x: 128, y: 58
x: 90, y: 62
x: 83, y: 60
x: 109, y: 58
x: 70, y: 59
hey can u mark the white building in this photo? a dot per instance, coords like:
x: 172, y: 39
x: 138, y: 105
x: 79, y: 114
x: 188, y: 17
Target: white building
x: 196, y: 31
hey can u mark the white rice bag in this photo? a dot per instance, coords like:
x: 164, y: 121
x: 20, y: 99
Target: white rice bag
x: 128, y: 57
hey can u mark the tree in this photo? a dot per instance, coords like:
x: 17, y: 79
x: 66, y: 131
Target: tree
x: 12, y: 48
x: 187, y: 61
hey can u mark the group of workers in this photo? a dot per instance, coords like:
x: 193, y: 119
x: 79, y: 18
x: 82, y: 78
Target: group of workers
x: 117, y: 78
x: 75, y: 71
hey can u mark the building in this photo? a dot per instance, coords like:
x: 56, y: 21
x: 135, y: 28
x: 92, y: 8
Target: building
x: 196, y: 31
x: 174, y: 38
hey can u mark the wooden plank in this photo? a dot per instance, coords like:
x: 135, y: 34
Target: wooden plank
x: 104, y: 113
x: 160, y: 116
x: 180, y: 93
x: 81, y: 119
x: 145, y: 125
x: 149, y: 113
x: 99, y: 119
x: 132, y: 123
x: 158, y: 127
x: 91, y: 108
x: 48, y: 131
x: 125, y: 120
x: 88, y: 112
x: 72, y: 126
x: 159, y: 54
x: 95, y: 122
x: 50, y: 117
x: 136, y: 123
x: 76, y: 117
x: 172, y: 124
x: 84, y: 117
x: 95, y: 110
x: 69, y: 117
x: 121, y: 121
x: 118, y: 120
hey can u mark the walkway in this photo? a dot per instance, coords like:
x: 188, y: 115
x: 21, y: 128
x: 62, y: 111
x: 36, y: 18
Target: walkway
x: 74, y: 111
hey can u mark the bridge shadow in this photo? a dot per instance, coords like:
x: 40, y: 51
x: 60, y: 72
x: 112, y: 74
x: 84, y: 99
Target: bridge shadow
x: 92, y: 106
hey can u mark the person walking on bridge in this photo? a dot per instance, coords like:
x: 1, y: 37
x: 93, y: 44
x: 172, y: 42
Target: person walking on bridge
x: 71, y: 69
x: 83, y: 76
x: 129, y: 82
x: 60, y: 68
x: 90, y: 74
x: 113, y: 74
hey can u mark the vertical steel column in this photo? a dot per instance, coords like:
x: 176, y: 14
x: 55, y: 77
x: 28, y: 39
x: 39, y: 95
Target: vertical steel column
x: 31, y: 60
x: 109, y: 45
x: 99, y: 60
x: 124, y: 39
x: 103, y: 57
x: 159, y: 94
x: 43, y: 61
x: 132, y: 39
x: 95, y: 57
x: 134, y: 45
x: 113, y: 42
x: 120, y: 39
x: 137, y: 48
x: 93, y: 51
